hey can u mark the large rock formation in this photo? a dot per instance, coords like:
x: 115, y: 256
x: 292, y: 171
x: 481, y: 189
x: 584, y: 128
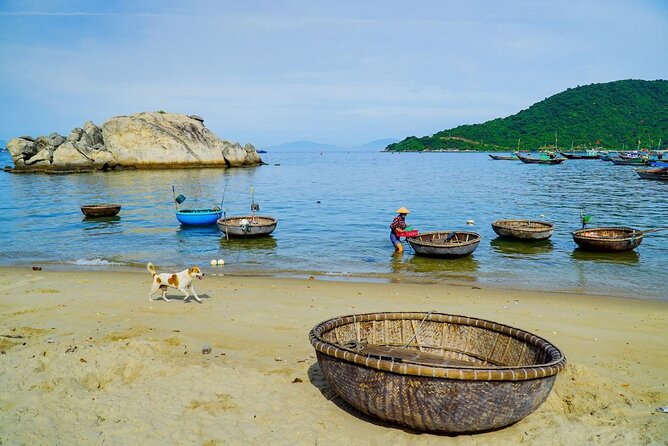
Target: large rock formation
x: 143, y: 140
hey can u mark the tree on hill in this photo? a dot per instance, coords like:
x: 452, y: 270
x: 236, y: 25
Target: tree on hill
x: 612, y: 115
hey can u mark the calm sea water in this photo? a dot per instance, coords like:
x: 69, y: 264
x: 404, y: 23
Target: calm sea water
x: 334, y: 209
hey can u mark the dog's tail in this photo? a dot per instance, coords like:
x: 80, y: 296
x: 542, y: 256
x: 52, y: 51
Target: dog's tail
x: 151, y: 268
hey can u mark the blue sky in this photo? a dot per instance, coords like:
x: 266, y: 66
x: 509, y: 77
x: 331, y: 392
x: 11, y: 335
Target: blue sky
x: 344, y: 72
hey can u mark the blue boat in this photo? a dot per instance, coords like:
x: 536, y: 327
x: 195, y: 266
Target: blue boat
x: 199, y: 217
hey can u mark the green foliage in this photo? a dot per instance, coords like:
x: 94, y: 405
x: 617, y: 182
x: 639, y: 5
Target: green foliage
x: 612, y: 115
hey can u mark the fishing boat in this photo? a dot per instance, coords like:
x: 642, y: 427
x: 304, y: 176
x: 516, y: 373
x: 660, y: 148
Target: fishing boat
x: 247, y: 225
x: 606, y: 156
x: 660, y: 173
x: 637, y: 161
x: 511, y: 157
x: 195, y: 217
x: 541, y: 159
x: 199, y: 217
x: 445, y: 243
x: 529, y: 230
x: 435, y: 371
x: 608, y: 239
x: 100, y: 210
x: 586, y: 155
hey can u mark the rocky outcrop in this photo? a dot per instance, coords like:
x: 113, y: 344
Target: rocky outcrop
x: 143, y: 140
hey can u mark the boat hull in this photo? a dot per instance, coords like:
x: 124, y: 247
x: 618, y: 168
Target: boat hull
x: 531, y: 160
x: 504, y: 157
x: 100, y: 210
x: 436, y: 244
x: 198, y: 217
x: 257, y: 226
x: 528, y: 230
x: 608, y: 239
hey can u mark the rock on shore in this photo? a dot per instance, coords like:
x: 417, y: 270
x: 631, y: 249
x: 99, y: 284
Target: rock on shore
x: 144, y: 140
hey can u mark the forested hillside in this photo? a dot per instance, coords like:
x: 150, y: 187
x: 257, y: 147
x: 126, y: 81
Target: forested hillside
x: 611, y: 115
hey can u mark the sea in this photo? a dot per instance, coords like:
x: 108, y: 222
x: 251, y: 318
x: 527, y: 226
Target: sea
x: 334, y: 209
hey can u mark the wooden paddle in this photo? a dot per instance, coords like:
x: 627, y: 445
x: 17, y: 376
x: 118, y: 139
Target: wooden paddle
x: 654, y: 230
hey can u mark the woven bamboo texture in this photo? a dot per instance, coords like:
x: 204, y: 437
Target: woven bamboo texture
x: 445, y: 243
x: 100, y: 210
x: 523, y: 229
x: 489, y: 375
x: 608, y: 239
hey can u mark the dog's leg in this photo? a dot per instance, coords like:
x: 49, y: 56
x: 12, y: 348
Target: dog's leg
x: 152, y: 291
x: 164, y: 295
x: 191, y: 288
x: 185, y: 291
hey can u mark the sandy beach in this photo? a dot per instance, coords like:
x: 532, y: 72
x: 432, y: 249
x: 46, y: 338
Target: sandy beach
x: 85, y: 358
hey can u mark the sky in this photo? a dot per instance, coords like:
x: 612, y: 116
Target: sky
x: 336, y: 72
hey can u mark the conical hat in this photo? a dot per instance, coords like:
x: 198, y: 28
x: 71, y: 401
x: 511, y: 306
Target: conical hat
x: 403, y: 210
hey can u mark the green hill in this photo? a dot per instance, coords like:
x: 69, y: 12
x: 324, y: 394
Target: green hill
x: 611, y: 115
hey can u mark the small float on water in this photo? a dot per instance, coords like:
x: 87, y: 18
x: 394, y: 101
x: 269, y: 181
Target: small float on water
x: 434, y: 371
x: 195, y: 217
x: 530, y: 230
x: 445, y: 243
x: 100, y: 210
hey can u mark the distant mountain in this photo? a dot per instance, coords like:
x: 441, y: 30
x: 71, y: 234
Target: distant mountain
x: 302, y: 146
x: 378, y: 144
x: 612, y: 115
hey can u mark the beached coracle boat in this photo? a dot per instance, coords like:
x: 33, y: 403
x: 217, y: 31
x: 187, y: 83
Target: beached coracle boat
x: 608, y: 239
x: 199, y: 217
x: 434, y: 371
x: 542, y: 159
x: 445, y: 243
x: 512, y: 157
x: 100, y: 210
x: 523, y: 229
x: 247, y: 226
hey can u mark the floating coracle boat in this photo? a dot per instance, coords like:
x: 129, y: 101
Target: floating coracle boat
x: 511, y: 157
x: 247, y: 226
x: 434, y: 371
x: 445, y: 243
x: 660, y: 173
x: 100, y: 210
x: 542, y: 159
x: 199, y: 217
x: 608, y: 239
x: 195, y: 217
x: 523, y: 229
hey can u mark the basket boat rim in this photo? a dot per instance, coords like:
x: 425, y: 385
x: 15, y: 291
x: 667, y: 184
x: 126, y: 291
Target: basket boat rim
x: 631, y: 233
x: 507, y: 224
x: 417, y: 240
x: 269, y: 220
x: 456, y: 372
x: 100, y: 206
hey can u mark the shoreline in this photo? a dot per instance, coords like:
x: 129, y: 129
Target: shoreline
x: 96, y: 362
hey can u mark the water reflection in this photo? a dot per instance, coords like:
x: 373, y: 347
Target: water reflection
x: 517, y: 248
x: 625, y: 257
x: 248, y: 243
x: 459, y: 268
x: 102, y: 226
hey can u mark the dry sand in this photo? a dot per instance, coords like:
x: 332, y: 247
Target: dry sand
x: 86, y: 359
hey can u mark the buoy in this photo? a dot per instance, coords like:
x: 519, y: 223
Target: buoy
x: 213, y: 262
x: 221, y: 262
x: 470, y: 222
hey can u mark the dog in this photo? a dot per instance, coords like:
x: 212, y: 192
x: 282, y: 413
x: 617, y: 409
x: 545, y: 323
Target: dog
x: 182, y: 281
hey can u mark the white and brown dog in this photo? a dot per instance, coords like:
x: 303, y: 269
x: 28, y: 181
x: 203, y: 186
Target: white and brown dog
x: 182, y: 281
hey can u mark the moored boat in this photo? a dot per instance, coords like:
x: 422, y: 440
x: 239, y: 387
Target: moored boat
x: 247, y: 225
x: 660, y: 173
x: 445, y: 243
x: 586, y: 155
x: 541, y: 159
x: 523, y: 229
x: 608, y: 239
x: 435, y: 371
x: 637, y: 161
x: 100, y: 210
x: 511, y: 157
x: 199, y: 217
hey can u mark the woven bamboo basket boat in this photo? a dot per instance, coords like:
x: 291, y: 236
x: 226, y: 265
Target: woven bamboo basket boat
x: 100, y: 210
x: 608, y: 239
x: 523, y: 229
x: 434, y: 371
x: 445, y: 243
x: 247, y: 225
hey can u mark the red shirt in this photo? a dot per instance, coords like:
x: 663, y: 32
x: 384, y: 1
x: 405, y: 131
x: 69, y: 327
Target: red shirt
x: 399, y: 222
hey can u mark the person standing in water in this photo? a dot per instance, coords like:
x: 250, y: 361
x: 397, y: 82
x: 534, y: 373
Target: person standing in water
x: 396, y: 227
